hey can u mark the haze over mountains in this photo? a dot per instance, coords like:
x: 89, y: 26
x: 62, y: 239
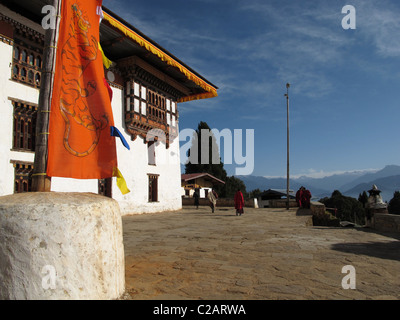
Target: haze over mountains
x: 348, y: 183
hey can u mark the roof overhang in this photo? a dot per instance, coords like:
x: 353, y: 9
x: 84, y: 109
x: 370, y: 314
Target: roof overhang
x: 205, y: 176
x: 120, y: 40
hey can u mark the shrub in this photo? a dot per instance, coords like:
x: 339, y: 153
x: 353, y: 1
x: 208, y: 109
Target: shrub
x: 394, y: 204
x: 348, y: 208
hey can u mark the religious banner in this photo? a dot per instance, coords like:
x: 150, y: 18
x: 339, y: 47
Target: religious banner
x: 80, y: 143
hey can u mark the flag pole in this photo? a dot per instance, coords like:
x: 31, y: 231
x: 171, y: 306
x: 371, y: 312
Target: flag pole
x: 287, y: 164
x: 40, y: 181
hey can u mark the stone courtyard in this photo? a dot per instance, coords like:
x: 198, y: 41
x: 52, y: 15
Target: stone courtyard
x: 266, y: 254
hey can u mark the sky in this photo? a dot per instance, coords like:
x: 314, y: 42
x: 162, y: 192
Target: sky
x: 344, y: 94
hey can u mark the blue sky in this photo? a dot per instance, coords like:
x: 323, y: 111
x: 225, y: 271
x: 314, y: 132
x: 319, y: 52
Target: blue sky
x: 345, y: 84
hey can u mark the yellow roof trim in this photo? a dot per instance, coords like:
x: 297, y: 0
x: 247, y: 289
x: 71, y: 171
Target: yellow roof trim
x: 211, y: 91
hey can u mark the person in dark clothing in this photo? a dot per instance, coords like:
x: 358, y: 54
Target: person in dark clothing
x: 196, y: 197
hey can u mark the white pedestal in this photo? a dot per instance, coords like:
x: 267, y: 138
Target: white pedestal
x: 60, y: 246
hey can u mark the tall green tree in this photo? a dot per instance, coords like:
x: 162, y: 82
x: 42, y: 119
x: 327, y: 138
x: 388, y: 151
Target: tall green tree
x: 204, y: 156
x: 232, y: 185
x: 363, y: 198
x: 255, y: 193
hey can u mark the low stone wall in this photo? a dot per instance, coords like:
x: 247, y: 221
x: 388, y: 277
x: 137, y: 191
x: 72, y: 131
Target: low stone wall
x: 281, y: 203
x: 320, y: 217
x: 386, y: 222
x: 317, y: 208
x: 222, y: 202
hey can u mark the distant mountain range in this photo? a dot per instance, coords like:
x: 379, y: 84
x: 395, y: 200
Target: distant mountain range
x: 349, y: 183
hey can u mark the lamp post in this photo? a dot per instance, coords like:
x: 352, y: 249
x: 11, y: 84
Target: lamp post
x: 287, y: 182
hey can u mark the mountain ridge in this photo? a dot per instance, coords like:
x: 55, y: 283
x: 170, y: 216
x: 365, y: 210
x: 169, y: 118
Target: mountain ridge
x: 350, y: 183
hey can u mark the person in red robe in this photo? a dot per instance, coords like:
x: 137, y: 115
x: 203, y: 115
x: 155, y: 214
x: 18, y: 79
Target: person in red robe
x: 239, y: 202
x: 299, y: 195
x: 306, y: 199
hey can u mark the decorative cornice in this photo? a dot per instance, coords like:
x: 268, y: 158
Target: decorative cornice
x: 22, y: 29
x: 135, y: 68
x: 139, y: 128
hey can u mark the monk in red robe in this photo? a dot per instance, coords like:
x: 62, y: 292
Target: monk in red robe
x: 239, y: 202
x: 306, y: 199
x: 299, y: 195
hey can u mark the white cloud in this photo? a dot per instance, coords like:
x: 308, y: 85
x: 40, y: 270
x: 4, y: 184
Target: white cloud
x: 312, y: 173
x: 318, y: 174
x: 379, y: 22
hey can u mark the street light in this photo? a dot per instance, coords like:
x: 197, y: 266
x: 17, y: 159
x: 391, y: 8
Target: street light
x: 287, y: 182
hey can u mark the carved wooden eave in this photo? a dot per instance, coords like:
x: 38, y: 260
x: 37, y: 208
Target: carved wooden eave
x: 23, y: 26
x: 136, y: 70
x: 158, y: 133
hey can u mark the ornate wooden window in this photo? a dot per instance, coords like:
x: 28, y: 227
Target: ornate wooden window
x: 150, y: 100
x: 27, y: 63
x: 172, y: 113
x: 147, y: 109
x: 22, y: 176
x: 153, y: 188
x: 156, y: 104
x: 24, y: 131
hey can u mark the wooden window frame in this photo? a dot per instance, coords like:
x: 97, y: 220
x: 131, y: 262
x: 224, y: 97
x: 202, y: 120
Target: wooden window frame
x: 153, y: 188
x: 28, y: 61
x: 22, y: 176
x: 24, y: 125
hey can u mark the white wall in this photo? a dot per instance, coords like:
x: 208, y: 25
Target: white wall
x: 134, y: 167
x: 133, y: 164
x: 10, y: 89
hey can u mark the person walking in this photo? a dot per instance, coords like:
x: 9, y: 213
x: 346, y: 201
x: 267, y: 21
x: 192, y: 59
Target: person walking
x: 239, y: 202
x: 196, y: 197
x: 212, y: 197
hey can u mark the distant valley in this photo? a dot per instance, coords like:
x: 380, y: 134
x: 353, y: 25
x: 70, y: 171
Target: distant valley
x: 349, y: 183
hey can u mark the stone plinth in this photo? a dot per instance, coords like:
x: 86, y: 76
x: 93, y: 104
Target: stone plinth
x: 60, y: 246
x: 387, y: 222
x: 317, y: 208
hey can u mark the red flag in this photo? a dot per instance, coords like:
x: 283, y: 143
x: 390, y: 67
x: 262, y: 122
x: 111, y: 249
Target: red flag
x: 80, y: 144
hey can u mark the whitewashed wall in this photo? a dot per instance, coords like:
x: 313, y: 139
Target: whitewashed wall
x: 133, y: 165
x: 10, y: 89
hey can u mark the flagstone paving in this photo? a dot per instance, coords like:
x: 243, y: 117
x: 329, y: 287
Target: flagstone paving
x: 264, y: 254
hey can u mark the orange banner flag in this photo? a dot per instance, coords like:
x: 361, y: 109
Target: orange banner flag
x: 80, y: 144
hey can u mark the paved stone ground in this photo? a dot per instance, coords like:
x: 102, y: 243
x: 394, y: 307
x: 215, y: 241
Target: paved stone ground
x: 266, y: 254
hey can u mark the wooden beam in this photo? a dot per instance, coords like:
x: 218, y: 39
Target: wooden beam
x: 112, y: 42
x: 135, y: 60
x: 40, y: 181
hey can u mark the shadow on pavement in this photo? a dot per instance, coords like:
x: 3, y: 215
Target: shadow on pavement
x: 382, y: 250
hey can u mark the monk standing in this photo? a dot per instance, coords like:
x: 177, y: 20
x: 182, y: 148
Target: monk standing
x: 299, y: 196
x: 239, y: 202
x: 306, y: 198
